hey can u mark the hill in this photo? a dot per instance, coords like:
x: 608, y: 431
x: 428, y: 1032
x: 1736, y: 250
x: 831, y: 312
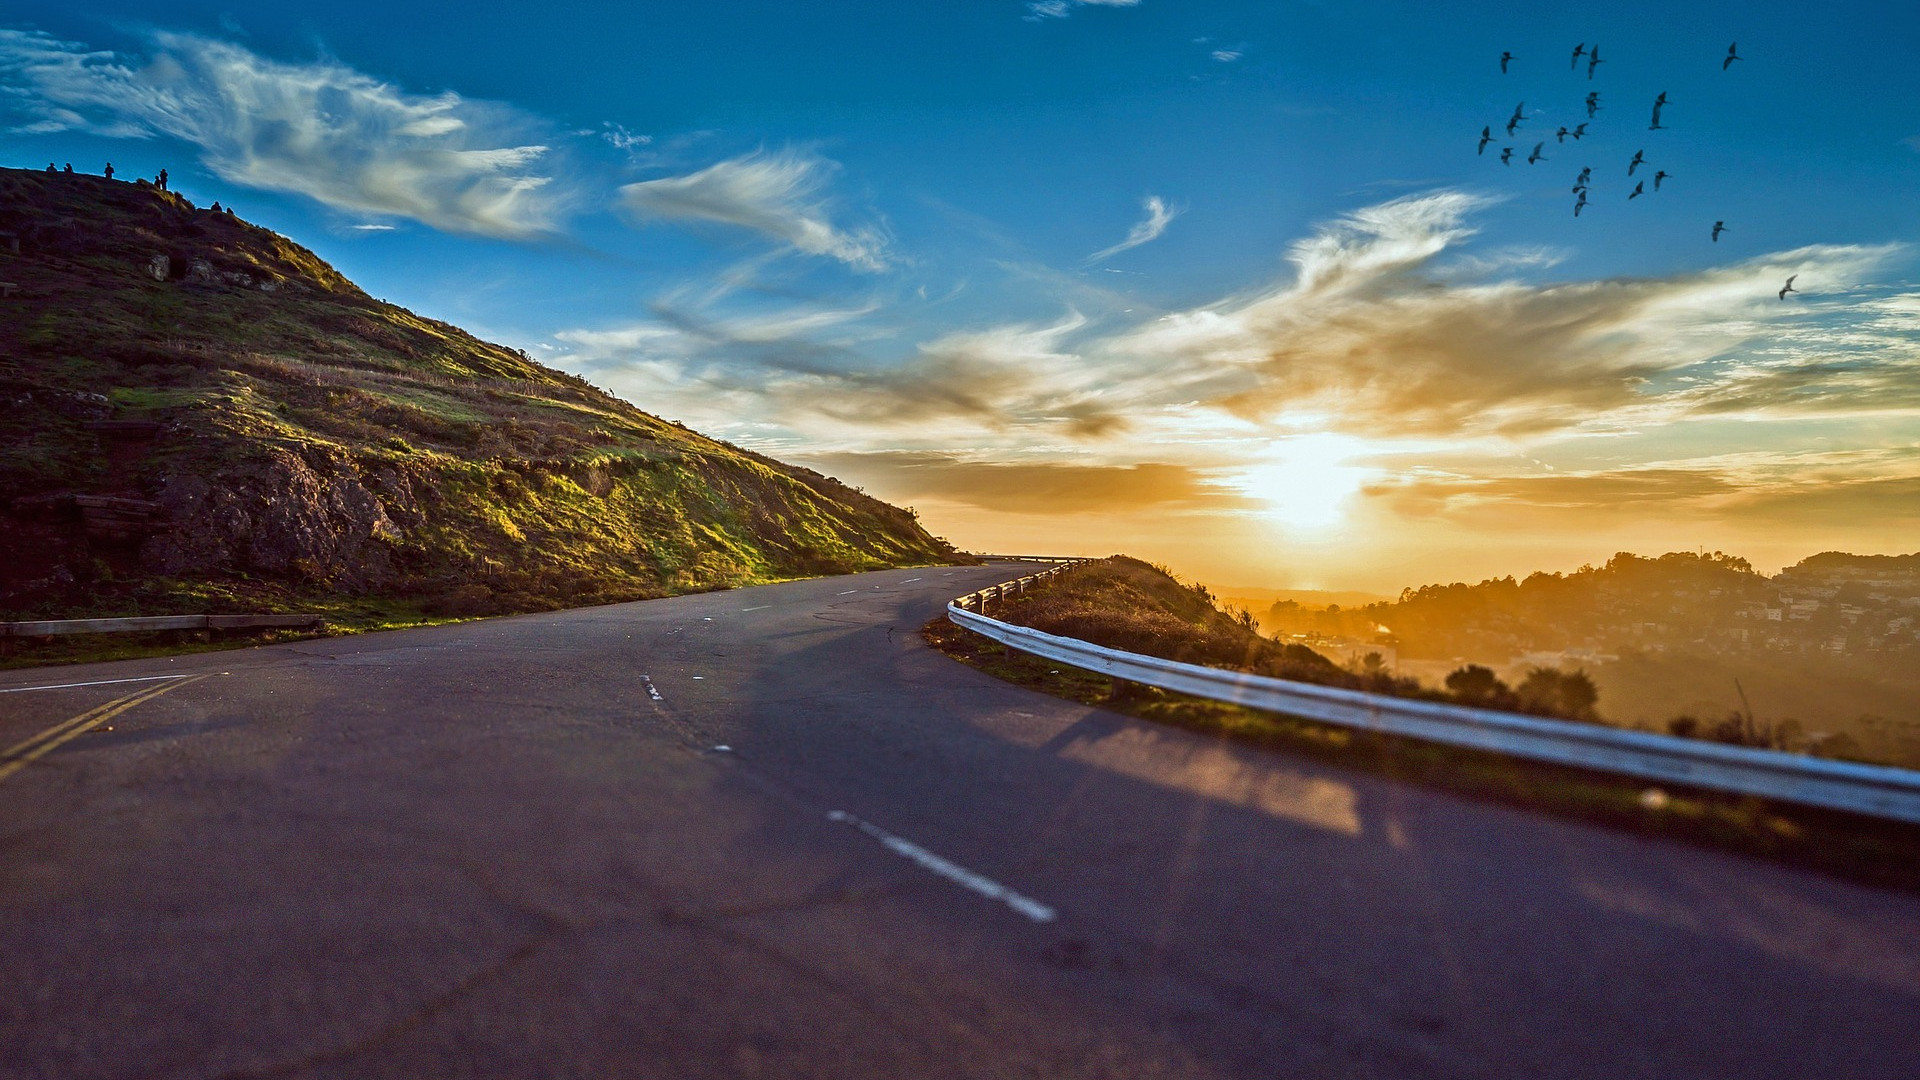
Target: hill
x: 202, y: 414
x: 1826, y: 648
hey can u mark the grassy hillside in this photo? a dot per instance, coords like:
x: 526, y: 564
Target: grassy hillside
x: 202, y: 415
x: 1127, y: 604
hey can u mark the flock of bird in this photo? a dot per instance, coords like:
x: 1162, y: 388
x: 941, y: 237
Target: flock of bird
x: 1582, y: 186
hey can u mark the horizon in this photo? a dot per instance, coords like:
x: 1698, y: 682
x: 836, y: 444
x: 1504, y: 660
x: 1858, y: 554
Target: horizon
x: 1227, y: 287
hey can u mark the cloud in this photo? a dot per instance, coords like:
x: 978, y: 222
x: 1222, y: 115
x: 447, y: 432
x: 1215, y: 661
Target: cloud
x: 729, y: 370
x: 1159, y: 215
x: 1370, y: 336
x: 1032, y: 487
x: 1060, y: 9
x: 1226, y: 56
x: 775, y: 194
x: 1388, y: 334
x: 1783, y: 489
x: 620, y: 138
x: 320, y: 129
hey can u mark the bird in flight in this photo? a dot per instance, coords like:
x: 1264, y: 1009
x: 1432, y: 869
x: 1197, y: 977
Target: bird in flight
x: 1638, y: 190
x: 1658, y: 177
x: 1561, y: 135
x: 1639, y: 159
x: 1486, y: 136
x: 1593, y: 61
x: 1732, y: 55
x: 1585, y: 175
x: 1506, y: 155
x: 1581, y: 203
x: 1718, y: 228
x: 1537, y: 156
x: 1658, y: 104
x: 1514, y: 120
x: 1788, y: 287
x: 1504, y: 58
x: 1579, y: 131
x: 1593, y: 104
x: 1579, y: 51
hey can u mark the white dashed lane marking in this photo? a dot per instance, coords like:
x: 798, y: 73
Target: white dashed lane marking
x: 849, y: 592
x: 757, y: 607
x: 954, y: 872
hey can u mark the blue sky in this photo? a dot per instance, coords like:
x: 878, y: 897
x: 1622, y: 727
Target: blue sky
x: 1222, y: 284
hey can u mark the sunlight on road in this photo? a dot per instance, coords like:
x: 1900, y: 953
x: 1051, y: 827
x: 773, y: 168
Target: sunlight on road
x: 1218, y: 773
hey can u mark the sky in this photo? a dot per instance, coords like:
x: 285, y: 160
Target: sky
x: 1230, y: 286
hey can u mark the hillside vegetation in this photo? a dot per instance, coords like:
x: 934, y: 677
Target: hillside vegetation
x: 1127, y: 604
x: 203, y: 415
x: 1826, y: 653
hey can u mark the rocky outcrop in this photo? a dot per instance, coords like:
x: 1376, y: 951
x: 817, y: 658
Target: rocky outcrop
x: 281, y: 516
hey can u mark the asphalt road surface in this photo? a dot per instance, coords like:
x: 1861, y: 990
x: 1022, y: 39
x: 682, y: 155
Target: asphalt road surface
x: 823, y: 850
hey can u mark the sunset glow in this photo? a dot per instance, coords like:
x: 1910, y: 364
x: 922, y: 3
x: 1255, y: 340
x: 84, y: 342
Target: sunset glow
x: 1230, y: 286
x: 1310, y: 486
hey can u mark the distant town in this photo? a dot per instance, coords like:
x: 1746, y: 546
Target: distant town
x: 1832, y: 603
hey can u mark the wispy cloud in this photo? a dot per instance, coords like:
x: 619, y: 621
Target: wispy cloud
x: 1226, y: 56
x: 1368, y: 337
x: 1784, y: 488
x: 620, y: 138
x: 1060, y: 9
x: 319, y: 129
x: 803, y: 370
x: 1034, y: 487
x: 1159, y: 216
x: 775, y: 194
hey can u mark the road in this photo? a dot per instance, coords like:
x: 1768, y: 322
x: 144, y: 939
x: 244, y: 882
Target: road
x: 823, y: 850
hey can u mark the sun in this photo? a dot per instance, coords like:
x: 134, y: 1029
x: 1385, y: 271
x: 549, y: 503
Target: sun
x: 1307, y: 482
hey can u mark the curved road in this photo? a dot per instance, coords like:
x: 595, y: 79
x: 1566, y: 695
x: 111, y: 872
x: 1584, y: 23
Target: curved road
x: 824, y: 850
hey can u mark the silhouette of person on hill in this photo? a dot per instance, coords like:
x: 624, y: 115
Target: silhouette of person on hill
x: 52, y: 168
x: 109, y: 170
x: 216, y: 208
x: 69, y: 167
x: 162, y: 180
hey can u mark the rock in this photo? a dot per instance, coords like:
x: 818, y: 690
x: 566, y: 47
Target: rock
x: 279, y: 516
x: 76, y: 404
x: 200, y: 271
x: 161, y: 267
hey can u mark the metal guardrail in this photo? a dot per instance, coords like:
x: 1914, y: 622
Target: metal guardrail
x: 1872, y: 790
x: 143, y: 623
x: 1017, y: 586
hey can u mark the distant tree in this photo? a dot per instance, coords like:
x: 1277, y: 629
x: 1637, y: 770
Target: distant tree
x: 1552, y: 692
x: 1477, y: 685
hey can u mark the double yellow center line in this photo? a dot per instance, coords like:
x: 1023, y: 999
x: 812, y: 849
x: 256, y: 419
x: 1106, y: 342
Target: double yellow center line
x: 22, y: 754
